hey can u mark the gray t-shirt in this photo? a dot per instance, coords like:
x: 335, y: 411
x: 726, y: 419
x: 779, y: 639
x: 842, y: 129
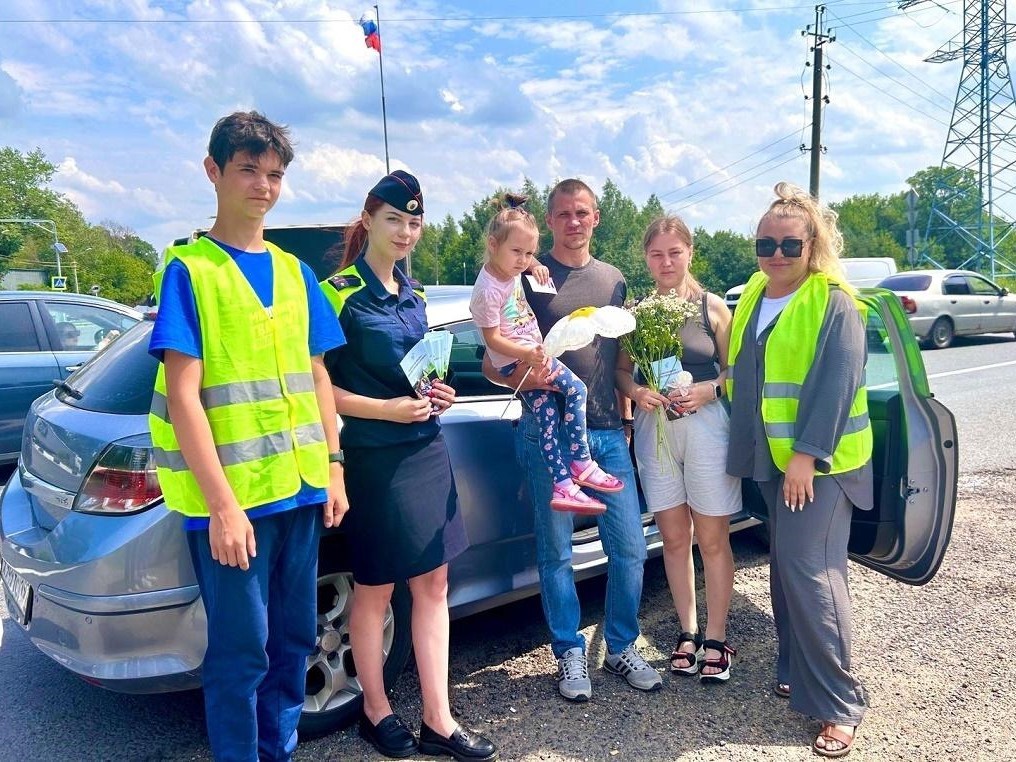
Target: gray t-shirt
x: 595, y: 284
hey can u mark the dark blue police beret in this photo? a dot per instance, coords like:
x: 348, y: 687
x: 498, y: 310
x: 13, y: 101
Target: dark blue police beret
x: 401, y: 190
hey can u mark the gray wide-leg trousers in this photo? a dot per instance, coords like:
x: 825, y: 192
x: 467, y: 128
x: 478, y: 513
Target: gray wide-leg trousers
x: 811, y: 603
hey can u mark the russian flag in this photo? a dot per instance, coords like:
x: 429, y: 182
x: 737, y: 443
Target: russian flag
x: 371, y: 36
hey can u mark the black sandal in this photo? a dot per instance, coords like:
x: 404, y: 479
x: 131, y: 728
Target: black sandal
x: 692, y: 658
x: 723, y: 663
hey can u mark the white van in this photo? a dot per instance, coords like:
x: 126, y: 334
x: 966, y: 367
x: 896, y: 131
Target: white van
x: 860, y: 271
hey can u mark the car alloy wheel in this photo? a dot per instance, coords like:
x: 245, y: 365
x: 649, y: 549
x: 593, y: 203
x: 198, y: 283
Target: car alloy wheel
x: 333, y: 696
x: 941, y: 335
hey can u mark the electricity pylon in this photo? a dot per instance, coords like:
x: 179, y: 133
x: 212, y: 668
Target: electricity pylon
x: 977, y: 199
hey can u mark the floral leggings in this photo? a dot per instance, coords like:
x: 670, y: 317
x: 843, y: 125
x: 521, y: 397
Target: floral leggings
x: 556, y: 425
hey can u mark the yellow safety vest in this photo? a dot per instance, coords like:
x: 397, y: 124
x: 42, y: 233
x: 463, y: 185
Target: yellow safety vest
x: 257, y: 386
x: 789, y: 354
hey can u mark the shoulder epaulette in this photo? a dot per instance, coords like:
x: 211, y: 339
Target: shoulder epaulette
x: 345, y: 281
x: 415, y: 284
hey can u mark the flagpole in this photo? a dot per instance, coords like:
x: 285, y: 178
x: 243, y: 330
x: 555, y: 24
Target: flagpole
x: 380, y: 63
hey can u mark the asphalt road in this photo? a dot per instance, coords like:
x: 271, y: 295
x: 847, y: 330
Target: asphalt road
x: 502, y: 671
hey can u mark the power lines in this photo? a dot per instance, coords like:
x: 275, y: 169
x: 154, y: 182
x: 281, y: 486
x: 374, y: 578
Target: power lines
x: 459, y: 18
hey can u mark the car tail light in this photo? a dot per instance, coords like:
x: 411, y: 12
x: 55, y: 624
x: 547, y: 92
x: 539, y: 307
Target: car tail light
x: 909, y: 305
x: 122, y: 480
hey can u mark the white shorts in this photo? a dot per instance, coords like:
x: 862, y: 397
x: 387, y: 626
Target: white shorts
x: 691, y: 464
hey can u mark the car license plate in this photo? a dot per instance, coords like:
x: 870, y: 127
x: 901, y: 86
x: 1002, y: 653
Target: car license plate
x: 19, y: 593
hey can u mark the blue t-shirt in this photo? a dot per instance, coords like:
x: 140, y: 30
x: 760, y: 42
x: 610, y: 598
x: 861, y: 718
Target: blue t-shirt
x: 177, y: 328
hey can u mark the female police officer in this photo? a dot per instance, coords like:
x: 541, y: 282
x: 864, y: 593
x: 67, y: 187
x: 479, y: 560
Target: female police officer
x: 403, y: 520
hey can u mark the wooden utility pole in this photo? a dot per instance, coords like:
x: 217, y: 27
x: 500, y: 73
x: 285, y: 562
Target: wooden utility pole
x: 821, y: 37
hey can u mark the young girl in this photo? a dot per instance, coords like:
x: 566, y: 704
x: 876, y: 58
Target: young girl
x: 500, y: 310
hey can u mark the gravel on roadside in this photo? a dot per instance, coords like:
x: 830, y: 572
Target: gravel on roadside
x: 936, y: 661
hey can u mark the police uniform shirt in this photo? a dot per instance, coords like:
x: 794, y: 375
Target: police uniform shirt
x: 177, y: 327
x: 380, y: 329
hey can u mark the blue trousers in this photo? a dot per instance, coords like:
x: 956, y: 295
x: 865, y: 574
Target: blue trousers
x: 261, y: 629
x: 620, y: 532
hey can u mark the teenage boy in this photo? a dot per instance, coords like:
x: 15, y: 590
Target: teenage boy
x: 246, y: 443
x: 582, y: 280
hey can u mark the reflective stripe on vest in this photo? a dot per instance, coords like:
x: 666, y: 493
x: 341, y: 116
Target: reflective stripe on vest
x: 789, y: 354
x: 257, y: 386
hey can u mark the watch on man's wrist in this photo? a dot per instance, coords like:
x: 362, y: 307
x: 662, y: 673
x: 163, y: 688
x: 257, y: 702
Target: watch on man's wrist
x: 717, y: 391
x: 337, y: 457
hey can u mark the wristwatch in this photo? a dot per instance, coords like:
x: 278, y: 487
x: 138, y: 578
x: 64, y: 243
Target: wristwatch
x: 337, y: 457
x: 717, y: 391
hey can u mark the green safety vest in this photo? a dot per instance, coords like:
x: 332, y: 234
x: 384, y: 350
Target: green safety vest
x: 257, y: 386
x: 789, y: 354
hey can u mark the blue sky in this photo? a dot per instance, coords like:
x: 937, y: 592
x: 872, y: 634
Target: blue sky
x: 699, y: 102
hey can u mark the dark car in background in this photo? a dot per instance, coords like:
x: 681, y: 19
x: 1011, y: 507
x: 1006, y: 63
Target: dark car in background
x: 44, y: 337
x: 97, y: 573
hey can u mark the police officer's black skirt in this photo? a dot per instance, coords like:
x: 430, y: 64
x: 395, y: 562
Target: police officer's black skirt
x: 403, y: 517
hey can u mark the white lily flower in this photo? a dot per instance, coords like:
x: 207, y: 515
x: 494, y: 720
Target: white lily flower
x: 583, y: 325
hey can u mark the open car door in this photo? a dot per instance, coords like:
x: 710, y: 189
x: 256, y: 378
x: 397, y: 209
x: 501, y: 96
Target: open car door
x: 915, y: 459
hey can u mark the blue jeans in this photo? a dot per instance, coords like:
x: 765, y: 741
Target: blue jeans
x: 564, y: 420
x: 620, y: 530
x: 261, y: 629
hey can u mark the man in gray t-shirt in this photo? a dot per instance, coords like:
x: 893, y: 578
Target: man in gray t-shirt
x: 582, y: 281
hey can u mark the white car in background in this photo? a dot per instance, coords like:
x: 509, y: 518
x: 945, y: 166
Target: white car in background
x: 861, y: 272
x: 942, y: 304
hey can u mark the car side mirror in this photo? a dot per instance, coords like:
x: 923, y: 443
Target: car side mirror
x: 1003, y: 292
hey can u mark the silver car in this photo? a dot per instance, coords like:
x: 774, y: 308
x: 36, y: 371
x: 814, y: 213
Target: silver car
x: 942, y: 304
x: 97, y: 573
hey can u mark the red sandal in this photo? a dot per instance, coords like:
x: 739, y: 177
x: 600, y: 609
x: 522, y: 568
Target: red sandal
x: 723, y: 663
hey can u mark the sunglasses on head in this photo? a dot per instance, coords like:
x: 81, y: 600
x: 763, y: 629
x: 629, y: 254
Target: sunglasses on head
x: 791, y: 247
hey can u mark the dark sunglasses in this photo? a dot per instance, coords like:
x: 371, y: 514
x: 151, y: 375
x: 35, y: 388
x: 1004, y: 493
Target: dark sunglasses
x: 791, y: 247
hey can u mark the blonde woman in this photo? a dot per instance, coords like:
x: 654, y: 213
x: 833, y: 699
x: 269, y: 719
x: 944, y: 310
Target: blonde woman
x: 796, y: 388
x: 685, y: 484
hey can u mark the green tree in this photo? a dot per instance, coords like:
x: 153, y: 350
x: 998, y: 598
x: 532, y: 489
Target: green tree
x: 109, y: 255
x: 873, y: 226
x: 24, y: 195
x: 722, y: 259
x: 958, y: 197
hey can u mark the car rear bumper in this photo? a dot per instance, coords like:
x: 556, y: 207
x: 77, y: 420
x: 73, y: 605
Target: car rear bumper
x: 921, y: 325
x: 131, y: 646
x: 111, y: 598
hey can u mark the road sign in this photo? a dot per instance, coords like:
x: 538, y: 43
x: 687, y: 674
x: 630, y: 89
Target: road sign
x: 58, y: 283
x: 94, y: 290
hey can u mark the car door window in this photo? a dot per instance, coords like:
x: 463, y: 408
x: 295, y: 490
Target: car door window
x: 465, y: 367
x: 86, y: 327
x: 955, y: 285
x: 880, y: 371
x: 981, y: 287
x: 17, y: 331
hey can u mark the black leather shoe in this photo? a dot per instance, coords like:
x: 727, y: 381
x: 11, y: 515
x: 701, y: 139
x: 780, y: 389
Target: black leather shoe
x: 391, y: 737
x: 464, y: 745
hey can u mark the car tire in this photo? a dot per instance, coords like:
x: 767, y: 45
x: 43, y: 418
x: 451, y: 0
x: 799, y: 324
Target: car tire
x: 941, y: 334
x: 333, y: 697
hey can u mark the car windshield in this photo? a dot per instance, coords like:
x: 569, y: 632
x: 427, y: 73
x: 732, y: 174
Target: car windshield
x: 119, y: 379
x: 906, y: 282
